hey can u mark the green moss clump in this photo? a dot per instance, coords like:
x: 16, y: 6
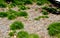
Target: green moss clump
x: 16, y: 25
x: 54, y: 28
x: 22, y: 34
x: 22, y: 13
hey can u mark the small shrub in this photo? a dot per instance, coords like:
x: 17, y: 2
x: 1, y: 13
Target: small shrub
x: 3, y: 14
x: 22, y: 34
x: 33, y: 36
x: 54, y: 28
x: 16, y: 25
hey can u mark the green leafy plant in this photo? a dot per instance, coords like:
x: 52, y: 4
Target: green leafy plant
x: 33, y: 36
x: 22, y: 34
x: 17, y: 25
x: 54, y: 28
x: 3, y: 14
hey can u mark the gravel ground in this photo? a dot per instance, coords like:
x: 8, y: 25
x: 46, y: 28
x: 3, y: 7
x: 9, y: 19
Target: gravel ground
x: 31, y: 25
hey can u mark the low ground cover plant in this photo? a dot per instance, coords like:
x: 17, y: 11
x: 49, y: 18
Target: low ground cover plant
x: 16, y: 25
x: 22, y: 7
x: 11, y: 33
x: 22, y: 34
x: 52, y: 10
x: 44, y: 12
x: 2, y: 5
x: 11, y: 16
x: 54, y: 28
x: 3, y: 14
x: 41, y: 2
x: 39, y: 17
x: 22, y: 13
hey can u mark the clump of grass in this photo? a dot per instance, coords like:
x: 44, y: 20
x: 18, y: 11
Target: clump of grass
x: 3, y: 14
x: 39, y: 17
x: 54, y: 28
x: 17, y: 25
x: 28, y: 2
x: 22, y: 34
x: 22, y: 7
x: 12, y: 14
x: 3, y: 5
x: 19, y: 2
x: 41, y: 2
x: 11, y: 33
x: 33, y: 36
x: 23, y: 13
x: 11, y: 5
x: 11, y: 17
x: 44, y: 13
